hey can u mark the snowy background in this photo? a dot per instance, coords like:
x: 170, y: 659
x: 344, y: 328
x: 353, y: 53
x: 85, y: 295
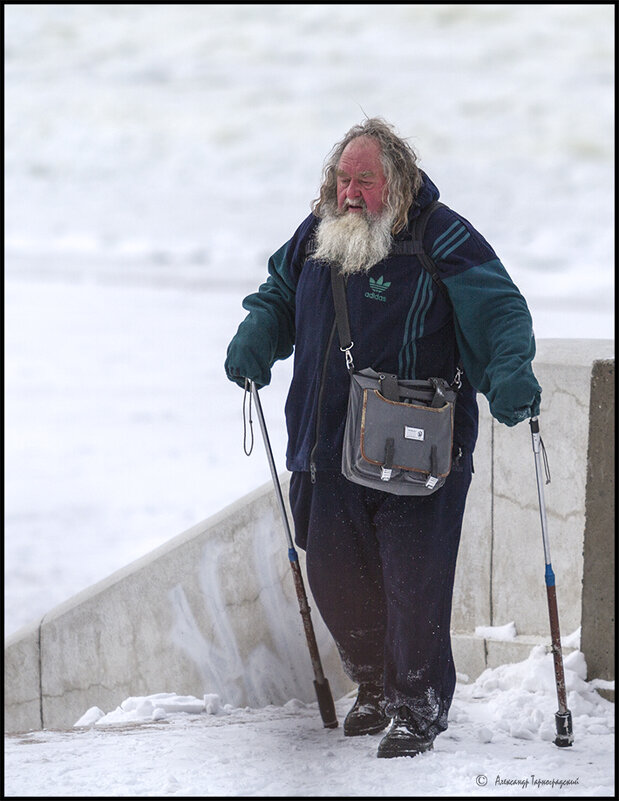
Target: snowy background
x: 155, y: 156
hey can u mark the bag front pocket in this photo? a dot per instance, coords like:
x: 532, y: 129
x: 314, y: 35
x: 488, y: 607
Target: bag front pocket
x: 404, y: 445
x: 406, y: 436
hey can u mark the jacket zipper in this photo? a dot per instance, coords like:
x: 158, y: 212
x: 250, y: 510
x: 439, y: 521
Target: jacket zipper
x: 320, y: 391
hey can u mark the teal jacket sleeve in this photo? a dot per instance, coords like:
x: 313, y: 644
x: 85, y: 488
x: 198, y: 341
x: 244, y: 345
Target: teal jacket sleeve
x: 494, y: 331
x: 268, y: 332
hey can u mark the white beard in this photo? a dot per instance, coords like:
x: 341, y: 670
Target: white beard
x: 356, y: 241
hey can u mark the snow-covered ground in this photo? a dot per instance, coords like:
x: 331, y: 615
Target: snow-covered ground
x: 499, y: 743
x: 155, y: 156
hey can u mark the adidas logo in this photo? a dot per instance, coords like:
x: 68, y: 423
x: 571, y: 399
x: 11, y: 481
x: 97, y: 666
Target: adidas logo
x: 378, y: 289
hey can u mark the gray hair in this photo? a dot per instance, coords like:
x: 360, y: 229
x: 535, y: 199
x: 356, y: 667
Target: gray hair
x: 399, y: 163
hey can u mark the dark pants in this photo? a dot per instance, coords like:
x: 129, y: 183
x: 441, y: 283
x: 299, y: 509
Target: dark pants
x: 381, y: 570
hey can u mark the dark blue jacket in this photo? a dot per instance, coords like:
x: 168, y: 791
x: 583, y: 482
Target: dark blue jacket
x: 400, y: 323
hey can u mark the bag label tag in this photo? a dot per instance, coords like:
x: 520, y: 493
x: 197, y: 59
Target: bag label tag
x: 414, y: 433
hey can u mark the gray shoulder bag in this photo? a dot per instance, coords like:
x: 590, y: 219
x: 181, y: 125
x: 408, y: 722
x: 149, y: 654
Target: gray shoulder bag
x: 399, y: 433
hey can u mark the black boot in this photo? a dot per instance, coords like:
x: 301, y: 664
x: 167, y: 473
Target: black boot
x: 404, y: 738
x: 367, y: 715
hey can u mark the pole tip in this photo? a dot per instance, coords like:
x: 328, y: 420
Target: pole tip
x: 563, y: 721
x: 325, y: 704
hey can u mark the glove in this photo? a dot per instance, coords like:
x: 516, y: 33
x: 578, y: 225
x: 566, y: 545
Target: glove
x: 235, y: 376
x: 245, y: 360
x: 264, y: 336
x: 516, y: 416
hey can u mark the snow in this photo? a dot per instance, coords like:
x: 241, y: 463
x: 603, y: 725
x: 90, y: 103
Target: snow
x: 499, y: 742
x: 155, y: 156
x: 506, y: 632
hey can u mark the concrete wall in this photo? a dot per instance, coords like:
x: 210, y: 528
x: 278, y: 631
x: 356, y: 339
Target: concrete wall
x: 214, y: 609
x: 598, y: 592
x: 500, y: 574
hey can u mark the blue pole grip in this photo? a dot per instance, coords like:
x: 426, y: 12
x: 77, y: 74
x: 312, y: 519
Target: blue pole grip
x: 550, y: 576
x: 293, y: 556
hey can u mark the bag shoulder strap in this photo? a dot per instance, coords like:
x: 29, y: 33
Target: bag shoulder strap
x: 338, y: 287
x: 414, y: 246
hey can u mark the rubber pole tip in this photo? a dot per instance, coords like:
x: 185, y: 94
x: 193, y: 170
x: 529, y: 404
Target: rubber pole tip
x: 563, y: 721
x: 326, y: 705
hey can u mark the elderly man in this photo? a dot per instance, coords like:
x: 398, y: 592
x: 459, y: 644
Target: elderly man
x: 381, y: 566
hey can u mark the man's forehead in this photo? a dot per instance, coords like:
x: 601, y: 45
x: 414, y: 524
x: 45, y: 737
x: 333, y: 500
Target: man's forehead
x: 361, y: 156
x: 363, y: 173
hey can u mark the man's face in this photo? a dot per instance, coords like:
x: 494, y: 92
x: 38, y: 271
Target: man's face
x: 360, y: 178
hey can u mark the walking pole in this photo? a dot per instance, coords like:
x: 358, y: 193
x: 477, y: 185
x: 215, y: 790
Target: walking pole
x: 563, y: 718
x: 321, y: 685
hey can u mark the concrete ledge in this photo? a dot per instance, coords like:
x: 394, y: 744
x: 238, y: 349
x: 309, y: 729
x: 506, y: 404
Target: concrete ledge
x: 214, y: 610
x: 479, y: 653
x: 516, y: 650
x: 469, y: 653
x: 22, y: 680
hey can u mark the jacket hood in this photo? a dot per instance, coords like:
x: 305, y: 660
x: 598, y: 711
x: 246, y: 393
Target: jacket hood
x: 428, y: 193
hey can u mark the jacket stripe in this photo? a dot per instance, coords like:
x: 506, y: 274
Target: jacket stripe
x: 402, y: 358
x: 456, y: 236
x: 457, y: 245
x: 457, y: 224
x: 413, y: 328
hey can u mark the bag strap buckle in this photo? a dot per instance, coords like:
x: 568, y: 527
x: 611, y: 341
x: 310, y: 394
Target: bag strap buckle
x: 349, y: 362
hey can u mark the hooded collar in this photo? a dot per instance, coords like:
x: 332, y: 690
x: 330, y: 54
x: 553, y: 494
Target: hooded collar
x: 427, y: 193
